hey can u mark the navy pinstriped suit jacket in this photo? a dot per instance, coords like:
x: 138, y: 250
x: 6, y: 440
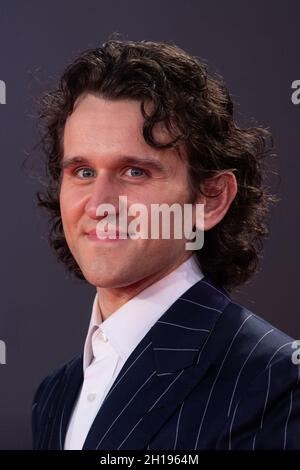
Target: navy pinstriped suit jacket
x: 208, y: 375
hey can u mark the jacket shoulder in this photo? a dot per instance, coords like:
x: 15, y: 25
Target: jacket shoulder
x: 263, y: 403
x: 256, y: 335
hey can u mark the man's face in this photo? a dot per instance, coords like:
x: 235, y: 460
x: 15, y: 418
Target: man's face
x: 102, y: 134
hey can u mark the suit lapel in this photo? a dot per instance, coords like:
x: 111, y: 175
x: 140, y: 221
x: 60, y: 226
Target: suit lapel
x: 160, y: 372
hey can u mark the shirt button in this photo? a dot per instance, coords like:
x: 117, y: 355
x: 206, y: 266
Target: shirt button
x: 91, y: 397
x: 103, y: 336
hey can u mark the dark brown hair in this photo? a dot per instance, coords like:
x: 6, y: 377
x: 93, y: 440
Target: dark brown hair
x: 197, y: 110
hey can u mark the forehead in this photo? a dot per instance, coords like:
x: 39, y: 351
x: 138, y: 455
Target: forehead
x: 101, y: 124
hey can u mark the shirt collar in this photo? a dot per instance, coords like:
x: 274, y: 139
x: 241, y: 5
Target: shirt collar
x: 126, y: 327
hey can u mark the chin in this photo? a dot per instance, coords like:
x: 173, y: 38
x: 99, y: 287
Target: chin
x: 106, y: 280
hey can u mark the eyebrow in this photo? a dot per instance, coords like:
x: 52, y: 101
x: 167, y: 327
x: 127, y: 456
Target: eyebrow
x: 68, y: 162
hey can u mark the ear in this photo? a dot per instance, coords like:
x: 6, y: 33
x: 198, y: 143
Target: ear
x: 218, y: 194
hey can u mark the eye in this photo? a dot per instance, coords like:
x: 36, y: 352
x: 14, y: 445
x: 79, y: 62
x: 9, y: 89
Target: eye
x: 84, y: 173
x: 135, y: 172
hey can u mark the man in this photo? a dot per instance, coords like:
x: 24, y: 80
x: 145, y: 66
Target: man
x: 170, y: 361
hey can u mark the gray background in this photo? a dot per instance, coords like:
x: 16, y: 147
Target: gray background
x: 254, y: 45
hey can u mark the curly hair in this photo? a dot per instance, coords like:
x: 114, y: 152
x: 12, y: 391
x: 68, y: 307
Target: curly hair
x: 197, y: 110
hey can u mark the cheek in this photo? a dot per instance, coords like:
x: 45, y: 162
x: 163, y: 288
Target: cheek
x: 70, y: 208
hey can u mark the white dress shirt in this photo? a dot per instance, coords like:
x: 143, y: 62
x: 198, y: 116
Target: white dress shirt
x: 110, y: 342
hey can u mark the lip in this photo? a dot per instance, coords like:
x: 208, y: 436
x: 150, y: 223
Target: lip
x: 92, y: 235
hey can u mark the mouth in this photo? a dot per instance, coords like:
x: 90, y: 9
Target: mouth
x: 108, y: 236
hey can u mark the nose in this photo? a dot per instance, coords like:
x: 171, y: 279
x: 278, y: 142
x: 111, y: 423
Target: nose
x: 102, y: 191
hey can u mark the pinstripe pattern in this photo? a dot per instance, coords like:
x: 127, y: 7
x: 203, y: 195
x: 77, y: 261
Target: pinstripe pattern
x: 49, y: 395
x: 127, y: 404
x: 267, y: 396
x: 217, y: 376
x: 287, y: 420
x: 60, y: 428
x: 177, y: 426
x: 125, y: 372
x: 277, y: 350
x: 206, y: 307
x: 206, y: 360
x: 181, y: 326
x: 254, y: 440
x: 231, y: 426
x: 151, y: 408
x: 242, y: 368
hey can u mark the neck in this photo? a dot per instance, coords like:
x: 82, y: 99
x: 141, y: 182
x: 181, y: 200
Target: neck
x: 111, y: 299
